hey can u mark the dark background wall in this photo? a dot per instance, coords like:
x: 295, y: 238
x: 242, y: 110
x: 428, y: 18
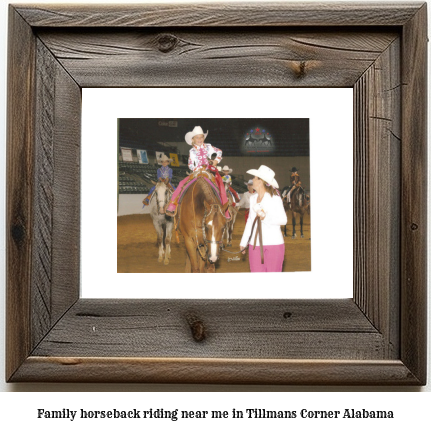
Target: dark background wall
x: 289, y: 141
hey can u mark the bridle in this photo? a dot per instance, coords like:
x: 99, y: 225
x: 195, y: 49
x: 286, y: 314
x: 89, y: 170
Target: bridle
x: 168, y: 193
x: 216, y: 208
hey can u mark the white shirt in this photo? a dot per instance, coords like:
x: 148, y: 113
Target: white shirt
x: 245, y: 200
x: 198, y: 156
x: 275, y: 217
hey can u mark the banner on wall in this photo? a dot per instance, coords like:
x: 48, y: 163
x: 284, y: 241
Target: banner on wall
x: 175, y: 161
x: 126, y: 153
x: 142, y: 156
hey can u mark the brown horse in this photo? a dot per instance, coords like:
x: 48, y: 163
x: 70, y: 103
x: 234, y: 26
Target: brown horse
x: 202, y: 222
x: 233, y: 212
x: 299, y: 204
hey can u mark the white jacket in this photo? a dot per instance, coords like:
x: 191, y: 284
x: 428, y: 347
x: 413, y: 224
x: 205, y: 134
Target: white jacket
x: 198, y: 156
x: 275, y: 217
x: 245, y: 200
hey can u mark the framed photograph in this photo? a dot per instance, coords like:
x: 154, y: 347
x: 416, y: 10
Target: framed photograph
x: 55, y: 333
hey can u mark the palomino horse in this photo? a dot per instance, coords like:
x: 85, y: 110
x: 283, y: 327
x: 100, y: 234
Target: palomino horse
x: 299, y: 204
x: 202, y: 222
x: 233, y: 212
x: 162, y: 223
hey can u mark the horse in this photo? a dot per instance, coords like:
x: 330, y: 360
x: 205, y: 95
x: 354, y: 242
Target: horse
x: 202, y: 222
x: 233, y: 211
x: 299, y: 204
x: 162, y: 223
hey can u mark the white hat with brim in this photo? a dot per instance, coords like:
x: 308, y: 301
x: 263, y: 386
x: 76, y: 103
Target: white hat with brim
x: 226, y: 168
x: 196, y: 131
x: 165, y: 158
x: 266, y: 174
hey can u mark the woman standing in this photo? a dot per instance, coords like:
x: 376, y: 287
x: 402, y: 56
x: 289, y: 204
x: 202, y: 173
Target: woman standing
x: 268, y: 206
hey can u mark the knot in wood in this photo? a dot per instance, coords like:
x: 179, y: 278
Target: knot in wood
x: 287, y: 314
x: 414, y: 226
x: 18, y: 232
x: 299, y: 69
x: 167, y: 42
x: 197, y: 328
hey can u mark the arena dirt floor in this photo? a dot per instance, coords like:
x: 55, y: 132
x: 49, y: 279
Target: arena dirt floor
x: 137, y: 251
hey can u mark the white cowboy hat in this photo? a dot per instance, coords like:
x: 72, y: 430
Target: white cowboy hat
x: 164, y: 158
x: 250, y: 183
x: 196, y: 131
x: 226, y: 168
x: 266, y: 174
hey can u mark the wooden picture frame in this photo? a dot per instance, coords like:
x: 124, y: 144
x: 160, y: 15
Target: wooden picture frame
x: 378, y: 337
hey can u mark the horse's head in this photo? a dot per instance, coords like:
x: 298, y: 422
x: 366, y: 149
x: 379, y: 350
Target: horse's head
x: 162, y: 195
x: 214, y: 225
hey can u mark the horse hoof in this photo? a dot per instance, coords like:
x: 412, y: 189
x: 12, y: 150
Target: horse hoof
x: 302, y: 236
x: 166, y: 262
x: 293, y: 236
x: 229, y: 245
x: 160, y: 259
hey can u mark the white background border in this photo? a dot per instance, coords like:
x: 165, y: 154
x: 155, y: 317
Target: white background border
x: 331, y: 155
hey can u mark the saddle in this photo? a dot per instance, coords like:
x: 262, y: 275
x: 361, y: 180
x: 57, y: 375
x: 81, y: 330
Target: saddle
x: 193, y: 177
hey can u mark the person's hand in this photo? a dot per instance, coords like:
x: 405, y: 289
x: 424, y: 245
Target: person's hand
x: 261, y: 214
x: 243, y: 249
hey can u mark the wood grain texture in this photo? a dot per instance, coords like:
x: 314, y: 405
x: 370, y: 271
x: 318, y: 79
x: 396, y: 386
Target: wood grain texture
x: 377, y: 183
x: 55, y: 278
x: 216, y: 14
x: 377, y: 338
x: 413, y: 194
x: 268, y: 329
x: 19, y: 196
x: 215, y: 371
x: 208, y: 58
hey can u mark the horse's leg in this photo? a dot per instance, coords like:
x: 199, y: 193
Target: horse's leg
x: 188, y: 267
x: 301, y: 220
x: 229, y: 233
x: 169, y: 228
x: 159, y: 231
x: 231, y: 229
x: 293, y: 225
x: 191, y: 251
x: 203, y: 264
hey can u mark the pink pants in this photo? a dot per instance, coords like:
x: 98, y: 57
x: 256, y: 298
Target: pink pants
x: 273, y: 258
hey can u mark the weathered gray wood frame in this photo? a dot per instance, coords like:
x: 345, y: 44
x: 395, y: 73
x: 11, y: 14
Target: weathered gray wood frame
x: 378, y: 337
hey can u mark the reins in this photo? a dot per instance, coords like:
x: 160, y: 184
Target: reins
x: 258, y: 232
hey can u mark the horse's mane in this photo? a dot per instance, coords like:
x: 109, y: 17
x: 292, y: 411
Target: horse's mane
x: 209, y: 191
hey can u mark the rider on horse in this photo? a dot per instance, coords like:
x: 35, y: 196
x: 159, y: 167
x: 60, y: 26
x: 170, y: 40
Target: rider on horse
x: 164, y: 173
x: 200, y: 158
x: 295, y: 182
x: 228, y: 179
